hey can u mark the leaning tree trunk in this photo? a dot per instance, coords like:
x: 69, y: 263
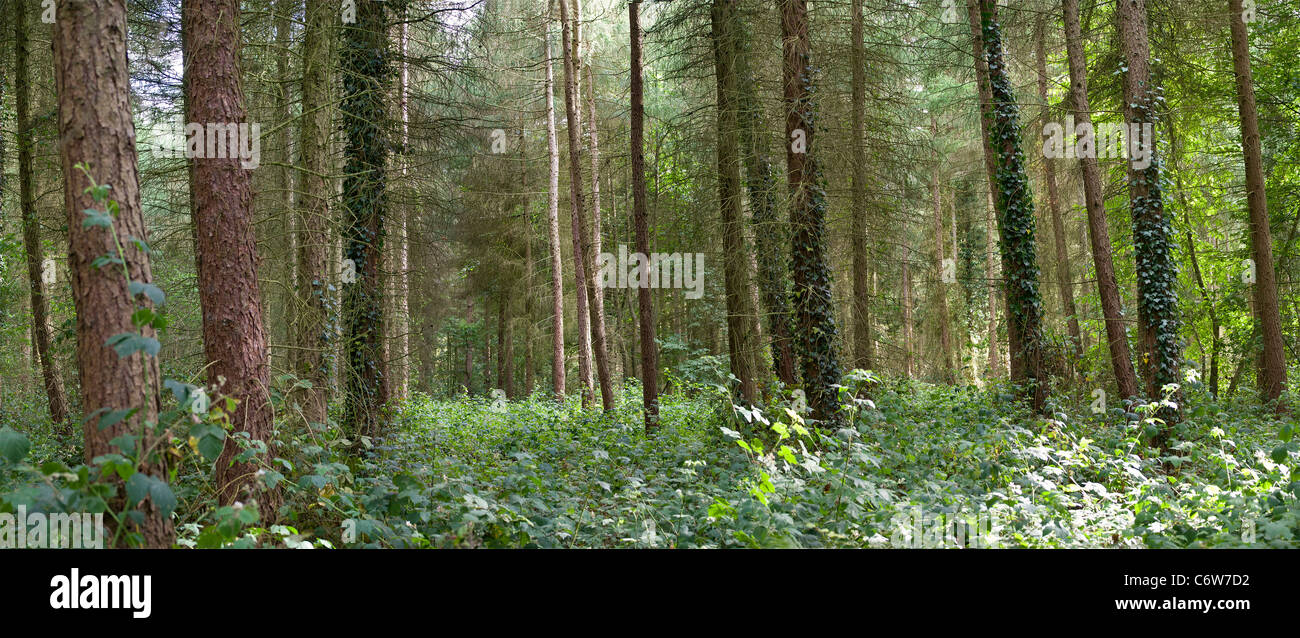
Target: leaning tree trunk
x: 1098, y: 232
x: 640, y: 220
x: 364, y: 70
x: 741, y: 344
x: 1063, y: 271
x: 96, y: 130
x: 1273, y: 363
x: 36, y: 268
x: 1016, y: 214
x: 234, y: 338
x: 1153, y: 240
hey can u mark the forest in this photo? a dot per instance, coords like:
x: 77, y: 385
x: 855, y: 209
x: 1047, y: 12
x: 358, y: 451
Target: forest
x: 327, y: 274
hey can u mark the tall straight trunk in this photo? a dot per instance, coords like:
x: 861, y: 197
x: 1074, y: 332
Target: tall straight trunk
x: 364, y: 65
x: 234, y: 338
x: 399, y: 308
x: 553, y: 224
x: 581, y: 262
x: 1098, y: 231
x: 95, y: 129
x: 862, y: 346
x: 945, y: 330
x: 1063, y: 270
x: 990, y: 275
x: 505, y: 354
x: 741, y: 338
x: 284, y: 175
x: 312, y: 336
x: 1016, y: 220
x: 529, y: 300
x: 909, y: 365
x: 596, y: 293
x: 771, y: 232
x: 1153, y: 240
x: 469, y: 347
x: 814, y: 316
x: 54, y: 393
x: 640, y: 221
x: 985, y: 91
x: 1273, y: 362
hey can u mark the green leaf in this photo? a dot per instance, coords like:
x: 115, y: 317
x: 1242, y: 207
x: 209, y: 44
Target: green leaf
x: 113, y: 417
x: 210, y: 445
x: 137, y: 487
x: 96, y: 219
x: 162, y: 496
x: 154, y: 293
x: 1279, y: 453
x: 13, y: 445
x: 129, y: 343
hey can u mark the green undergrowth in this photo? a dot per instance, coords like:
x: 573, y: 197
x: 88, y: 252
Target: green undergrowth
x: 474, y: 473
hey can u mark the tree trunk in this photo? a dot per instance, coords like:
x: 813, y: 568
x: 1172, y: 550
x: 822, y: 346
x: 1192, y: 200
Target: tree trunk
x: 909, y: 364
x: 365, y: 61
x: 1016, y: 214
x: 1098, y: 231
x: 1273, y: 363
x: 814, y: 317
x: 1063, y: 270
x: 234, y: 338
x: 990, y: 275
x: 96, y: 130
x: 596, y: 293
x: 527, y: 209
x: 1158, y: 319
x: 553, y: 224
x: 399, y: 322
x: 35, y: 250
x: 581, y: 263
x: 862, y: 346
x: 985, y: 91
x: 741, y: 342
x: 469, y: 346
x: 945, y: 331
x: 771, y: 232
x: 313, y: 338
x: 284, y: 176
x: 640, y: 220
